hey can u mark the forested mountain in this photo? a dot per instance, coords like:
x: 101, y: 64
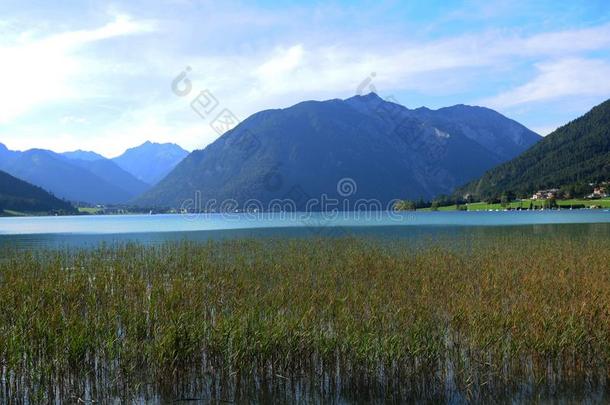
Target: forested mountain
x: 576, y: 153
x: 17, y: 195
x: 387, y: 150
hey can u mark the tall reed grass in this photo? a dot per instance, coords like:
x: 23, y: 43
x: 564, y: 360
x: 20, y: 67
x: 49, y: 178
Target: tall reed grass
x: 310, y: 320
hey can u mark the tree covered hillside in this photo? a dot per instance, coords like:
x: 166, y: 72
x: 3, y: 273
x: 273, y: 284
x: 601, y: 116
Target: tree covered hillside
x: 575, y: 154
x: 17, y: 195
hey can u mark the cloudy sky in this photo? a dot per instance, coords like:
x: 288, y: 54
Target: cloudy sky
x: 97, y: 75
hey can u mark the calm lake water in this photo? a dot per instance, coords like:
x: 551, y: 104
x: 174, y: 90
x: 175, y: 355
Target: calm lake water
x: 87, y: 231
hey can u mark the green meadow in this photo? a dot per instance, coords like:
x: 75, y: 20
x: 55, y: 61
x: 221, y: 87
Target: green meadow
x: 525, y: 204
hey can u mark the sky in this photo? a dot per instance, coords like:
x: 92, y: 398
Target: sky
x: 105, y: 75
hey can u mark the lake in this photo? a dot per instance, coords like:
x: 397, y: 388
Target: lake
x: 89, y: 231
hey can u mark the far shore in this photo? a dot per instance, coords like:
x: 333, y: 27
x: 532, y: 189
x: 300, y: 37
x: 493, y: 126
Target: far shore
x: 517, y: 205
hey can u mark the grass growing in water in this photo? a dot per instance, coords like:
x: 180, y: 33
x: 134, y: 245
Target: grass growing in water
x: 307, y: 320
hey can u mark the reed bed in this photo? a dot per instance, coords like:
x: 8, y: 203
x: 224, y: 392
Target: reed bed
x: 309, y: 320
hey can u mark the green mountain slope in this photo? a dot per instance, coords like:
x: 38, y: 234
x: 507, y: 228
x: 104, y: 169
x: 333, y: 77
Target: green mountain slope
x: 17, y: 195
x: 578, y: 152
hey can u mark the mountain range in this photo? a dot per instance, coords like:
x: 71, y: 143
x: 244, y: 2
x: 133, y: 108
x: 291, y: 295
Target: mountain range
x: 576, y: 153
x: 386, y: 150
x: 18, y: 195
x: 82, y: 176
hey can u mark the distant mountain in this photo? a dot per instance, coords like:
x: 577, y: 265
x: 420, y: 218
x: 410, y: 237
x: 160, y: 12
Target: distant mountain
x: 578, y: 152
x: 388, y: 150
x: 17, y: 195
x: 83, y: 155
x: 151, y: 162
x: 6, y: 153
x: 109, y: 171
x: 72, y: 179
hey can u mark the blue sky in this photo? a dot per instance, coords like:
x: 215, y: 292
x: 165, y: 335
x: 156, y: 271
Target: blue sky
x: 97, y: 75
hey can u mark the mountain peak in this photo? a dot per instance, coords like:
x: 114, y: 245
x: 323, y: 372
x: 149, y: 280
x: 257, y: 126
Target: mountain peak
x: 368, y: 103
x: 83, y: 155
x: 149, y: 144
x: 139, y: 160
x: 422, y: 109
x: 370, y: 97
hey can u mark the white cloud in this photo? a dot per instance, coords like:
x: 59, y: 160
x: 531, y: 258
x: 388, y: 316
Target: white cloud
x: 311, y: 69
x: 566, y: 42
x: 249, y: 82
x: 293, y: 61
x: 34, y: 72
x: 73, y: 120
x: 565, y: 77
x: 284, y: 63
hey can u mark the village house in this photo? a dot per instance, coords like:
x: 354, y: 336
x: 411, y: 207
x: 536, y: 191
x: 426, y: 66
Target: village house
x: 599, y: 192
x: 545, y: 194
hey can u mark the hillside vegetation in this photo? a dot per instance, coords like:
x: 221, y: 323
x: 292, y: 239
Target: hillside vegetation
x: 575, y: 154
x: 18, y: 195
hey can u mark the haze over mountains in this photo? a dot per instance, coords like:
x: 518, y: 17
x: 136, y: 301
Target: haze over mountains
x: 577, y: 153
x: 389, y: 151
x: 83, y: 176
